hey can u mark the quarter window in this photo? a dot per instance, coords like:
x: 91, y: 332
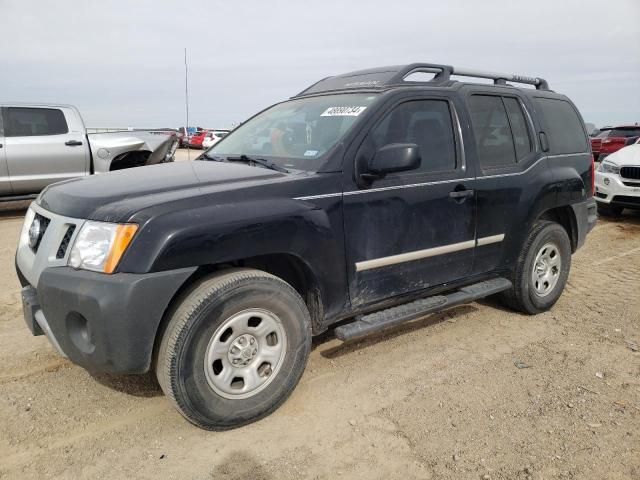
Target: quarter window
x: 563, y: 126
x: 27, y: 122
x: 427, y: 123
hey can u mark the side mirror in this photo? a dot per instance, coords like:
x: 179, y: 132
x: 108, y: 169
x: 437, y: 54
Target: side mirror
x: 395, y: 157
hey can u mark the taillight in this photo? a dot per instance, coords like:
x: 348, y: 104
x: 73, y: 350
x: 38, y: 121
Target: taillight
x: 593, y: 175
x: 612, y: 144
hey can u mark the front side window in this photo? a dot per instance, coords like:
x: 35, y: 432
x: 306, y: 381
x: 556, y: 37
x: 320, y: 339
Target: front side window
x: 28, y: 122
x: 296, y: 134
x: 427, y: 123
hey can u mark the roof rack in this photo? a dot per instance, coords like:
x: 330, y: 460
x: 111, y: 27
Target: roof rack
x: 396, y: 75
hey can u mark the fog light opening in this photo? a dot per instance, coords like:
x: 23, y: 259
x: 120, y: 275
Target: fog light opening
x: 79, y: 332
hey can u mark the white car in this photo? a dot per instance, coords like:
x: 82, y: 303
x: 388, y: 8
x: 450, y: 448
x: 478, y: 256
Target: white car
x: 618, y: 181
x: 213, y: 137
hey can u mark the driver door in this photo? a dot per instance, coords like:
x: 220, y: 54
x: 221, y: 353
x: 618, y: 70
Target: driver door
x: 411, y: 230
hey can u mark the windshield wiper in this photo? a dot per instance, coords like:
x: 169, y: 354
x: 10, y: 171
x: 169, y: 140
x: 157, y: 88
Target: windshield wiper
x: 206, y: 156
x: 259, y: 161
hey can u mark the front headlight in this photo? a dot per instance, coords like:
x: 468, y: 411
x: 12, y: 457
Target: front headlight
x: 608, y: 167
x: 99, y: 246
x: 26, y: 225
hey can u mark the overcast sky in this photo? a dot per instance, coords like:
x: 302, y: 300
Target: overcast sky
x: 122, y: 64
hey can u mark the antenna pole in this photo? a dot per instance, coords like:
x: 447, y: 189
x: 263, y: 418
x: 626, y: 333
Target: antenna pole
x: 186, y: 101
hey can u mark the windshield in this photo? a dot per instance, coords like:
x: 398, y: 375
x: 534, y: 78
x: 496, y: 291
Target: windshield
x: 295, y: 134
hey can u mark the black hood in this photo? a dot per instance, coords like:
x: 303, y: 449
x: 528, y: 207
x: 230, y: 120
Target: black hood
x: 117, y: 195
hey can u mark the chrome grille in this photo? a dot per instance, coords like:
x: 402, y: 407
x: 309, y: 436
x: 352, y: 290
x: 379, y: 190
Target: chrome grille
x: 32, y: 263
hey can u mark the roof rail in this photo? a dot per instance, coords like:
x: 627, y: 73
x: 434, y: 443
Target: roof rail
x: 502, y: 78
x: 444, y: 72
x: 381, y: 77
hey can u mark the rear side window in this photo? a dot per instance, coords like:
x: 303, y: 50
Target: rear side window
x: 28, y: 122
x: 494, y: 142
x: 519, y: 129
x: 563, y: 126
x: 625, y: 132
x: 426, y: 123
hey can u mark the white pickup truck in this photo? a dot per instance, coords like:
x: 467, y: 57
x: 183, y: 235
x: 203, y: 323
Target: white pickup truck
x: 41, y: 144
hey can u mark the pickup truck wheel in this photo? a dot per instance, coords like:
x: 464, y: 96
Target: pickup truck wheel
x: 234, y: 348
x: 542, y: 269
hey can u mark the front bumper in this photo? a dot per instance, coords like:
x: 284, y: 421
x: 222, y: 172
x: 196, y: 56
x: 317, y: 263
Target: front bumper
x: 101, y: 322
x: 611, y: 189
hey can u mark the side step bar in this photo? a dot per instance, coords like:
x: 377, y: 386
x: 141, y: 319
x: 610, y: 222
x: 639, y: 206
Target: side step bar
x: 383, y: 319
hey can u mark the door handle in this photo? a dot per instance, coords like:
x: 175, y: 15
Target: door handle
x: 73, y: 143
x: 457, y: 194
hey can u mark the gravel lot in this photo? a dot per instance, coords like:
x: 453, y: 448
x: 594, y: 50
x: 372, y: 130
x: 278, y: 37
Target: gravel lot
x: 439, y: 398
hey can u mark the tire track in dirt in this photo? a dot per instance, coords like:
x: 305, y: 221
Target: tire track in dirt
x: 44, y: 446
x: 49, y: 367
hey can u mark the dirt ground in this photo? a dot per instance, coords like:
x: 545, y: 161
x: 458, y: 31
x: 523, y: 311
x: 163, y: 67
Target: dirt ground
x: 439, y: 398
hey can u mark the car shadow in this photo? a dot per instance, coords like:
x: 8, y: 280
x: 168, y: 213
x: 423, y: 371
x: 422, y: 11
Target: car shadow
x: 238, y: 466
x: 496, y: 303
x: 144, y: 385
x: 450, y: 315
x: 628, y: 217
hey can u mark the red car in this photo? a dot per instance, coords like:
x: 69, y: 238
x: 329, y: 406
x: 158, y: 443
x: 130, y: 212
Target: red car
x: 610, y: 140
x: 195, y: 140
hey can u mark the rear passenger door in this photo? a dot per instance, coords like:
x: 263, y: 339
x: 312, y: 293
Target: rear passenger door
x: 43, y: 145
x: 511, y: 171
x: 411, y: 230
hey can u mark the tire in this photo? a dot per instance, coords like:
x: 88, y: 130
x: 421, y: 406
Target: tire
x: 609, y: 210
x: 536, y: 292
x: 255, y: 331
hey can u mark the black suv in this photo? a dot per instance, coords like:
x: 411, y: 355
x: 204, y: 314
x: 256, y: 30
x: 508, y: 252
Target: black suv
x: 370, y: 199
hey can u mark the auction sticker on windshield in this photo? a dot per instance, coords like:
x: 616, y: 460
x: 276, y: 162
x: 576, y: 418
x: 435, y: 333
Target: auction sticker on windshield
x: 343, y: 111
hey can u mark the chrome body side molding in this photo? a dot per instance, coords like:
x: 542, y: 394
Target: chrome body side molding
x: 426, y: 253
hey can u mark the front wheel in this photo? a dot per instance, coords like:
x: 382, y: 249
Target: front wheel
x: 542, y: 269
x: 234, y: 348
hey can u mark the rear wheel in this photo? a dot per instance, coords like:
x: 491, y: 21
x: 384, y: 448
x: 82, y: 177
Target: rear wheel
x: 234, y: 348
x: 542, y: 269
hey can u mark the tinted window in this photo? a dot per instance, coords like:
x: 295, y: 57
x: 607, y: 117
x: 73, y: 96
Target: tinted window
x: 26, y: 122
x: 426, y: 123
x: 625, y: 132
x: 519, y: 129
x: 491, y: 131
x: 563, y: 126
